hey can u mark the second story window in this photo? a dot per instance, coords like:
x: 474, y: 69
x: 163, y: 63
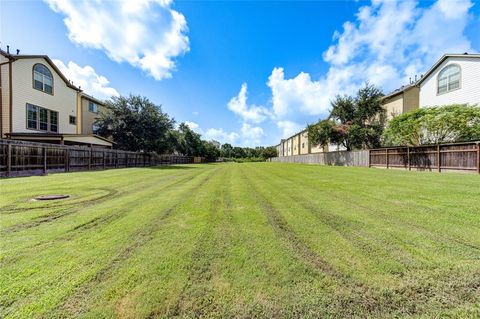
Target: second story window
x: 72, y: 120
x: 41, y: 119
x: 92, y: 107
x: 42, y: 78
x: 448, y: 79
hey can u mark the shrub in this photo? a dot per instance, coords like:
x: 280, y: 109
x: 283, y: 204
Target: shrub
x: 440, y: 124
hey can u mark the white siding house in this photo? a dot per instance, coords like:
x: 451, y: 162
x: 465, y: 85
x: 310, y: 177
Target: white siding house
x: 454, y: 79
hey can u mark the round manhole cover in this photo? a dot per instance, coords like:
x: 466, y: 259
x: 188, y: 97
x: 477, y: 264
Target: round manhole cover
x: 52, y: 197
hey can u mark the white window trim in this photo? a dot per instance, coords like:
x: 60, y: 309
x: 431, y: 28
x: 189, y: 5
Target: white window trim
x: 459, y: 80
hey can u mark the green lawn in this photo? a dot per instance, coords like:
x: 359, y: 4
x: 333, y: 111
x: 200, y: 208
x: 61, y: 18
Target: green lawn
x: 241, y: 240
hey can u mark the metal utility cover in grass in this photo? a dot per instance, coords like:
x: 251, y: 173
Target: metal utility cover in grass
x: 52, y: 197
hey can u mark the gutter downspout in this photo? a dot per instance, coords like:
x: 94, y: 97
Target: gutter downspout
x: 1, y: 102
x: 1, y: 93
x: 11, y: 95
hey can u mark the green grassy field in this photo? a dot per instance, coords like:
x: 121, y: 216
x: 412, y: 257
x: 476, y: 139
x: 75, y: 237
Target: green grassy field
x: 241, y: 240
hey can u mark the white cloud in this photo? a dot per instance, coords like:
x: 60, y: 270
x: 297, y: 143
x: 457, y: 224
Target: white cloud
x: 248, y: 135
x: 194, y: 126
x: 249, y: 113
x: 87, y: 78
x: 148, y: 34
x: 221, y: 136
x: 251, y: 135
x: 289, y: 128
x: 388, y: 43
x: 300, y: 92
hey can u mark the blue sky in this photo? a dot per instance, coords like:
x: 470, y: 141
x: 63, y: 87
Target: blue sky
x: 243, y: 72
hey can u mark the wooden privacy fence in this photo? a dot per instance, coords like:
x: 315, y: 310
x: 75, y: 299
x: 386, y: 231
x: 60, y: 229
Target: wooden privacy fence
x: 19, y: 158
x: 338, y: 158
x: 458, y: 157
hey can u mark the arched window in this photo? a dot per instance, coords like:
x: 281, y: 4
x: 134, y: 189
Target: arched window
x: 42, y: 78
x: 448, y: 79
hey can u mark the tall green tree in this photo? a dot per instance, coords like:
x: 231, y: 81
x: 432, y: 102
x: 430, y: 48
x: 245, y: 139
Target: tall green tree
x: 354, y: 122
x: 210, y: 151
x: 136, y: 124
x: 227, y: 150
x: 433, y: 125
x: 189, y: 143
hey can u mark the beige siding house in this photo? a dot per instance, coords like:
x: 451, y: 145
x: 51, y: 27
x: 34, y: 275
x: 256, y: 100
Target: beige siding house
x: 299, y: 144
x: 39, y: 104
x: 401, y: 101
x: 88, y: 110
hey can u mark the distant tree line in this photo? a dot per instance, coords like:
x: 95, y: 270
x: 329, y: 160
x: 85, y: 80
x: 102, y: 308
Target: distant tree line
x: 135, y: 123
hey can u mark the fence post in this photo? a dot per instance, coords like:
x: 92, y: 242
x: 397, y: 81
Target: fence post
x: 369, y: 151
x: 45, y: 160
x: 67, y: 159
x: 408, y: 158
x: 9, y: 159
x: 438, y: 158
x: 386, y: 156
x: 116, y: 159
x: 478, y: 158
x: 103, y: 156
x: 90, y: 158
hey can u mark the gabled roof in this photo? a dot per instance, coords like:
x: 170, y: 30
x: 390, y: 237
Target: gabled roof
x: 399, y: 90
x: 443, y: 58
x: 46, y: 58
x: 91, y: 98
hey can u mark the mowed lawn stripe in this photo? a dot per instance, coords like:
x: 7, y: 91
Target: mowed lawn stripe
x: 58, y: 230
x: 278, y: 195
x: 42, y: 280
x: 252, y: 240
x: 383, y: 214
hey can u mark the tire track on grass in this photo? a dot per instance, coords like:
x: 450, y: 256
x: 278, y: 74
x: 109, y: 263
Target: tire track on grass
x: 197, y: 297
x: 78, y: 230
x: 76, y: 303
x: 393, y: 219
x: 357, y: 300
x: 72, y: 207
x: 346, y: 229
x: 296, y: 245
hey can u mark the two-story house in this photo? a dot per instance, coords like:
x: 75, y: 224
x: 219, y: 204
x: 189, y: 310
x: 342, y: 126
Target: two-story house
x: 402, y: 100
x: 454, y: 79
x: 38, y: 103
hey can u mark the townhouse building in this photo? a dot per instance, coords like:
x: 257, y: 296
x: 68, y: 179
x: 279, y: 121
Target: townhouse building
x: 453, y: 79
x: 38, y: 103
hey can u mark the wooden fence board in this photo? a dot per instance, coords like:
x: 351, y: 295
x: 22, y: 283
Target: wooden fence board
x: 458, y: 156
x: 18, y: 158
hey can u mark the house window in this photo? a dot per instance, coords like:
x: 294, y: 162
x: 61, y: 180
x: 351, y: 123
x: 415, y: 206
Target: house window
x: 53, y: 121
x: 72, y: 120
x: 42, y: 78
x: 92, y: 107
x: 41, y: 119
x: 303, y: 145
x: 32, y: 116
x: 448, y: 79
